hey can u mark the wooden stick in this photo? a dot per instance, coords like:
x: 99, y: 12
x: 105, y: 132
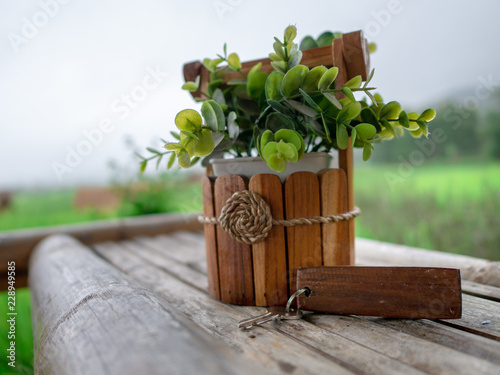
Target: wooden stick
x: 345, y: 156
x: 335, y: 236
x: 304, y: 241
x: 207, y: 188
x: 234, y: 258
x: 269, y: 256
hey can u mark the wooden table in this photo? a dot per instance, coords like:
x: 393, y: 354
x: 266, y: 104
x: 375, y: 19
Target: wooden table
x: 141, y: 307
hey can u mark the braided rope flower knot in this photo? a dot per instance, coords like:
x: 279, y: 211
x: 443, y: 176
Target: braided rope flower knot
x: 246, y: 217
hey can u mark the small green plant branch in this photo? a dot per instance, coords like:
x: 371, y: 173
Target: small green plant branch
x: 284, y: 114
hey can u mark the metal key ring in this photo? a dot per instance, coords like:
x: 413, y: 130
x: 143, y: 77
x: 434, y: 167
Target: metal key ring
x: 305, y: 290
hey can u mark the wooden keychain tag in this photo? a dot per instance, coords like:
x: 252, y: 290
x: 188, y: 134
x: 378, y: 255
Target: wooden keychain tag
x: 391, y: 292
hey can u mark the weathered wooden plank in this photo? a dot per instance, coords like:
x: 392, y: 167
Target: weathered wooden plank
x: 269, y: 256
x: 268, y: 349
x: 17, y: 245
x: 91, y: 319
x: 417, y: 352
x: 234, y: 258
x: 303, y: 241
x: 335, y: 236
x: 466, y: 342
x: 481, y: 290
x: 372, y: 252
x: 207, y: 188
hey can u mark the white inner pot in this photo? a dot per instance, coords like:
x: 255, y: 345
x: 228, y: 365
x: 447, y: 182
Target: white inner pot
x: 249, y: 166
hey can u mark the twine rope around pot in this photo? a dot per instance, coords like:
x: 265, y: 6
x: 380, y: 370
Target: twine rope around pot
x: 247, y: 218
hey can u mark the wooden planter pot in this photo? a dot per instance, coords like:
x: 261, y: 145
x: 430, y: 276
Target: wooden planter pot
x: 263, y: 274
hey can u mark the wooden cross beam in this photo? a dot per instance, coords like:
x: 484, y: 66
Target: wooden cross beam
x: 350, y: 53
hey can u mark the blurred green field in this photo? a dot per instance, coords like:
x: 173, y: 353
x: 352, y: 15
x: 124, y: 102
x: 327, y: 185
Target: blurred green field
x: 446, y: 207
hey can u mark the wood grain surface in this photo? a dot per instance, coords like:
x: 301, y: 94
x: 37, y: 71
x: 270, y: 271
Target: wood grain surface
x: 391, y: 292
x: 269, y: 255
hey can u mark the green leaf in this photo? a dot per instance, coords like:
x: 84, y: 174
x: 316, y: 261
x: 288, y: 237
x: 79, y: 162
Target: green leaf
x: 273, y: 83
x: 278, y: 107
x: 354, y: 83
x: 144, y: 164
x: 427, y: 115
x: 293, y: 80
x: 404, y: 120
x: 366, y: 131
x: 302, y: 108
x: 175, y: 135
x: 274, y: 57
x: 349, y: 112
x: 254, y: 70
x: 213, y: 115
x: 372, y: 47
x: 276, y: 121
x: 308, y: 42
x: 290, y: 33
x: 278, y: 49
x: 269, y: 149
x: 190, y: 86
x: 213, y: 64
x: 354, y: 132
x: 188, y: 119
x: 295, y: 60
x: 205, y: 144
x: 287, y: 150
x: 173, y: 146
x: 232, y: 128
x: 218, y: 96
x: 237, y: 81
x: 369, y: 116
x: 280, y: 66
x: 389, y: 127
x: 171, y: 161
x: 342, y: 137
x: 310, y: 101
x: 289, y: 136
x: 256, y: 84
x: 332, y: 100
x: 367, y: 151
x: 311, y: 81
x: 184, y: 159
x: 328, y: 78
x: 369, y: 78
x: 188, y: 134
x: 233, y: 61
x: 390, y: 111
x: 348, y: 93
x: 423, y: 127
x: 276, y: 163
x: 224, y: 48
x: 325, y: 39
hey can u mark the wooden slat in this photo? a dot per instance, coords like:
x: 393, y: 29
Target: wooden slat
x: 311, y: 58
x: 356, y: 54
x: 395, y: 292
x: 303, y: 241
x: 269, y: 256
x: 335, y: 236
x: 17, y: 245
x: 345, y: 156
x: 382, y: 253
x: 234, y: 258
x: 207, y: 188
x: 269, y: 350
x: 91, y: 319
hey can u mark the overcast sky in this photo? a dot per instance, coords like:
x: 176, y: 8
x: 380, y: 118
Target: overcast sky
x: 69, y: 68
